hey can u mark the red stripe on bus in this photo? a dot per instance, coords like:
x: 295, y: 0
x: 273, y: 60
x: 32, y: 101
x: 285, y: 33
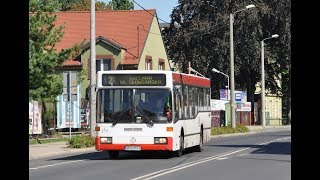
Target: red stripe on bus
x: 144, y: 147
x: 190, y: 79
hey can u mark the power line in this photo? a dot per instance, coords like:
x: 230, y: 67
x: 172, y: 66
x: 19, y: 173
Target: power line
x: 223, y: 21
x: 148, y: 11
x: 213, y: 29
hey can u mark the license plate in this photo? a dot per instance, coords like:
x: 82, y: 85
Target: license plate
x: 132, y: 148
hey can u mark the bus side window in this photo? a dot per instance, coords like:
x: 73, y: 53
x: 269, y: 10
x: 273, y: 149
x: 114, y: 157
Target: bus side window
x: 178, y: 103
x: 180, y: 107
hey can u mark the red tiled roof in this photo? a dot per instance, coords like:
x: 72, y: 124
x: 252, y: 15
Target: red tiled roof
x: 119, y: 26
x: 71, y: 62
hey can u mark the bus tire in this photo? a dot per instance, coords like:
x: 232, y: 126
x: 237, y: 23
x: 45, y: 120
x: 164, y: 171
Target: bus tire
x: 179, y: 152
x: 199, y: 147
x: 113, y: 154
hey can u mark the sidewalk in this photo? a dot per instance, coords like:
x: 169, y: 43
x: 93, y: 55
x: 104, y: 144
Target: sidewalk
x: 60, y: 148
x: 255, y: 129
x: 51, y: 149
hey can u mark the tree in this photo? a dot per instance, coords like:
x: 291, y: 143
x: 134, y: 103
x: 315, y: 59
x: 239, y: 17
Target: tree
x: 282, y: 49
x: 44, y: 83
x: 199, y: 33
x: 82, y: 5
x: 121, y: 5
x: 66, y: 4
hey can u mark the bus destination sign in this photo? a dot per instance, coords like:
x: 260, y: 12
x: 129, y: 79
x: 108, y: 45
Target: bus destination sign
x: 133, y: 79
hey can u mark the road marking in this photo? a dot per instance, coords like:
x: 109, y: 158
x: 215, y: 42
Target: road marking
x: 242, y: 155
x: 55, y: 164
x: 223, y: 158
x: 177, y: 166
x: 193, y: 163
x: 51, y: 165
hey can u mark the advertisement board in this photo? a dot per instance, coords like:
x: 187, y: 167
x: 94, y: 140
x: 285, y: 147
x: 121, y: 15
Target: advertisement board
x: 224, y: 94
x: 218, y: 105
x: 68, y: 105
x: 243, y: 106
x: 239, y: 96
x: 35, y: 126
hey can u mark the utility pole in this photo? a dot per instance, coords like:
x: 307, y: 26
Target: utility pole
x: 263, y: 108
x: 263, y: 113
x: 92, y: 69
x: 232, y: 100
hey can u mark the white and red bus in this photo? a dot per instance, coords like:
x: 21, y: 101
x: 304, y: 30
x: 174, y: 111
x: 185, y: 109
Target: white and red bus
x: 151, y: 110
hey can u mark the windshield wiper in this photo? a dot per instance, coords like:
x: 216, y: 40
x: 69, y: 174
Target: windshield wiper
x: 117, y: 117
x: 144, y: 115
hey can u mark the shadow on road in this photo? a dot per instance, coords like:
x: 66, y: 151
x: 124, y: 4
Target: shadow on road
x: 283, y: 148
x: 103, y: 155
x: 124, y: 155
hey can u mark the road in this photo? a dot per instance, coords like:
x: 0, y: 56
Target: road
x: 263, y: 156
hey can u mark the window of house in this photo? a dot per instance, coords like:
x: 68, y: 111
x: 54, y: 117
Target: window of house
x: 148, y: 63
x: 103, y: 65
x: 161, y: 65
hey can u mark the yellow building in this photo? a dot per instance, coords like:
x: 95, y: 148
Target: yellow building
x: 273, y: 107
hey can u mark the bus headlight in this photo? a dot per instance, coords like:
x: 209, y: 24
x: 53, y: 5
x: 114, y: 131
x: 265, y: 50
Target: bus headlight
x: 160, y: 140
x: 106, y: 140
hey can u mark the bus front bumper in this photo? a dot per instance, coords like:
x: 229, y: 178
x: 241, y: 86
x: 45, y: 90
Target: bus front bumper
x: 143, y: 147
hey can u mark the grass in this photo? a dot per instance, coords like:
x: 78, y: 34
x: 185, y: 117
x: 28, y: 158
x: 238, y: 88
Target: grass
x: 46, y: 140
x: 55, y: 137
x: 229, y: 130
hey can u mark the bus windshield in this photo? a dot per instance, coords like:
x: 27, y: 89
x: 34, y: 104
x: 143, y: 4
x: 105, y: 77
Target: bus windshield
x: 134, y: 106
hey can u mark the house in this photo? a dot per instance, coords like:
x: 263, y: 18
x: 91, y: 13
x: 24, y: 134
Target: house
x: 125, y: 40
x: 273, y: 107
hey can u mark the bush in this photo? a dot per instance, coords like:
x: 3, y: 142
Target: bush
x: 81, y: 141
x: 229, y: 130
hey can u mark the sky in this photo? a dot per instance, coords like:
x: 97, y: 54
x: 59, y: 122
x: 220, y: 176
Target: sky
x: 163, y: 7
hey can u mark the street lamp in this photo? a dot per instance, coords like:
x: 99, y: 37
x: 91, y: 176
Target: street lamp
x: 232, y: 103
x: 217, y: 71
x: 263, y: 115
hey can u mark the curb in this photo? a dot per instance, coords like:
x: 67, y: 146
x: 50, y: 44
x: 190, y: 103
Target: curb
x: 66, y: 151
x: 253, y: 130
x: 234, y: 134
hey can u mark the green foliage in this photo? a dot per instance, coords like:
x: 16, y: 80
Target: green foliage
x: 56, y: 135
x: 199, y: 32
x: 44, y: 82
x: 81, y: 141
x: 121, y: 5
x: 82, y: 5
x: 66, y: 4
x: 44, y: 141
x: 82, y: 75
x: 229, y: 130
